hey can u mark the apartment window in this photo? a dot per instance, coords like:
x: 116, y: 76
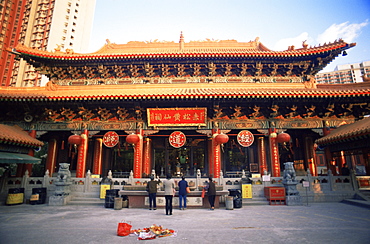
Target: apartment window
x: 74, y: 24
x: 71, y: 44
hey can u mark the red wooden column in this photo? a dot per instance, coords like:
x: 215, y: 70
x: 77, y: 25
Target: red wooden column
x: 310, y: 155
x: 216, y: 153
x: 31, y: 152
x: 82, y: 154
x: 210, y: 156
x: 147, y: 156
x: 52, y: 156
x: 217, y: 139
x: 98, y: 156
x: 330, y: 164
x: 262, y: 155
x: 274, y: 153
x: 138, y: 155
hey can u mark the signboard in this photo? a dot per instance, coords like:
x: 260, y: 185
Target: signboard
x: 246, y: 191
x: 177, y: 139
x: 110, y: 139
x: 245, y: 138
x: 177, y: 116
x: 103, y: 190
x: 305, y: 183
x: 266, y: 178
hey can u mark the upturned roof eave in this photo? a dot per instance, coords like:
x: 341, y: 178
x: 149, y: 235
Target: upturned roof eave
x: 299, y: 53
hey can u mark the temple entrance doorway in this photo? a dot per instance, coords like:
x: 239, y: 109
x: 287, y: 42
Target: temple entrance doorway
x: 183, y: 161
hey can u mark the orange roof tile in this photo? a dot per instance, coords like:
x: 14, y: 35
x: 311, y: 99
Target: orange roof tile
x: 16, y: 135
x: 180, y: 91
x: 210, y: 49
x: 357, y: 130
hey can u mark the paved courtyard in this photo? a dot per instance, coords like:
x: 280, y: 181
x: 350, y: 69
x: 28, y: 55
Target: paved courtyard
x: 315, y: 223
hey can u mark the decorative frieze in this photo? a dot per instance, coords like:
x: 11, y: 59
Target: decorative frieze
x: 173, y: 79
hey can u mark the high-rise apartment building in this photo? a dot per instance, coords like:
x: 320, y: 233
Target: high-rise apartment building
x: 49, y: 25
x: 346, y: 73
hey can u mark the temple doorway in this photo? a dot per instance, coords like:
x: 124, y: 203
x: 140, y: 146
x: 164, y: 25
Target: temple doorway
x: 183, y: 161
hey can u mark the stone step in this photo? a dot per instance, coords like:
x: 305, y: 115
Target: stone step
x: 361, y: 203
x: 86, y: 201
x: 255, y: 201
x: 87, y: 194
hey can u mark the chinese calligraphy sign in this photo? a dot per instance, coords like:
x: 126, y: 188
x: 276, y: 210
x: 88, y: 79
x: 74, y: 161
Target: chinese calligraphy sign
x: 177, y: 116
x: 110, y: 139
x: 177, y: 139
x: 245, y: 138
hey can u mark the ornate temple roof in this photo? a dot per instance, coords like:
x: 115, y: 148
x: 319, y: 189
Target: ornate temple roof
x: 195, y: 58
x: 350, y: 132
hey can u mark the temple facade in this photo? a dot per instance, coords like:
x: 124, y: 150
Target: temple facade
x: 218, y: 108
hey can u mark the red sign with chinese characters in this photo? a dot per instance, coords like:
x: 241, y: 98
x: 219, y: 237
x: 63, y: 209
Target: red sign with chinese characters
x: 177, y: 139
x: 245, y: 138
x: 110, y: 139
x: 177, y: 116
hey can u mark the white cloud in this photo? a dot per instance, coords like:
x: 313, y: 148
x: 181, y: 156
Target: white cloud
x: 348, y: 32
x: 297, y: 41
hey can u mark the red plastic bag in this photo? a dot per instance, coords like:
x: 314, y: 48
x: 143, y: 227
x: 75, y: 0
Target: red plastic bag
x: 123, y: 228
x: 203, y: 192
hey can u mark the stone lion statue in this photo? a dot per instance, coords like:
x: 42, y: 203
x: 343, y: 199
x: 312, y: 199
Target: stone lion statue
x: 289, y: 172
x: 64, y: 174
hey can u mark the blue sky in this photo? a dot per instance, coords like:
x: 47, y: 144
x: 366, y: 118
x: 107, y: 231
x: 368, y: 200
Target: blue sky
x: 278, y: 23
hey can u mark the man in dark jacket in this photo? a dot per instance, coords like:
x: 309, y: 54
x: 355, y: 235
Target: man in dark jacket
x: 211, y: 193
x: 183, y: 185
x: 151, y: 188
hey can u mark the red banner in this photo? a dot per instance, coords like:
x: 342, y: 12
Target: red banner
x: 177, y: 116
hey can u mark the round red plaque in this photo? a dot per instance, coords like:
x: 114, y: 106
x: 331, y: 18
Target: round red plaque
x: 110, y: 139
x: 177, y: 139
x: 245, y: 138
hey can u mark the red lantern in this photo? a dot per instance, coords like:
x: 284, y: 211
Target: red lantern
x: 75, y: 139
x: 132, y: 139
x: 283, y: 137
x: 221, y: 138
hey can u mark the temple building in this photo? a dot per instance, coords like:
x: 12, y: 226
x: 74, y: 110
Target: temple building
x: 216, y: 107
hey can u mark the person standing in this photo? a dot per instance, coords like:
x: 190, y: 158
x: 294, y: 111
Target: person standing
x: 211, y: 192
x: 151, y: 188
x: 183, y: 185
x: 345, y: 170
x: 169, y: 190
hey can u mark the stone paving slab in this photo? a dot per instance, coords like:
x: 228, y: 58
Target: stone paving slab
x: 315, y: 223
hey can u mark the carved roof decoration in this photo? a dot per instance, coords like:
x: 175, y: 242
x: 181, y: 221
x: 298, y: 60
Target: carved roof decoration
x: 194, y: 59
